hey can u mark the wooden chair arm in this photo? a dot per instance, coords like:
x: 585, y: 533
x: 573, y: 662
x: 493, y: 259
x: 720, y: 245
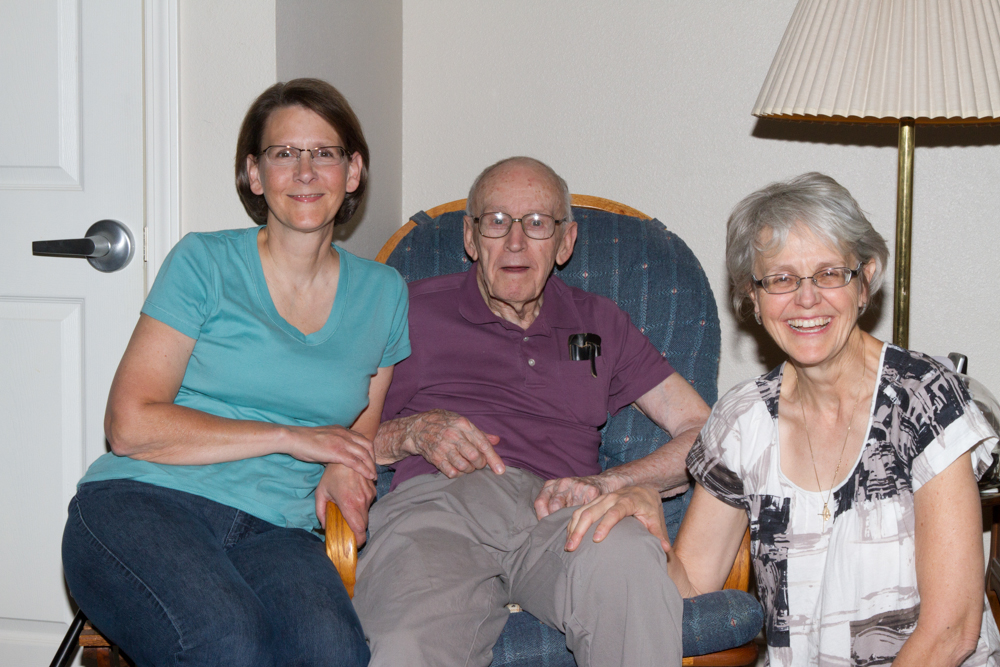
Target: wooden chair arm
x: 734, y: 657
x: 341, y: 546
x: 739, y: 576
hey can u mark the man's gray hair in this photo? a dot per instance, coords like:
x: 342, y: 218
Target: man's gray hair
x: 818, y: 203
x: 473, y: 202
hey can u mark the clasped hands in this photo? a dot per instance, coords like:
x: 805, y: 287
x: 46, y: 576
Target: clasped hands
x: 349, y: 478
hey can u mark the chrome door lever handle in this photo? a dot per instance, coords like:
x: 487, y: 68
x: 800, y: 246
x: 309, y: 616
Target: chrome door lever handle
x: 92, y: 246
x: 108, y: 246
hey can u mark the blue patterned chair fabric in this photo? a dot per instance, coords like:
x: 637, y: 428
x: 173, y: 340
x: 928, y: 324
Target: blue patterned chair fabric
x: 656, y: 279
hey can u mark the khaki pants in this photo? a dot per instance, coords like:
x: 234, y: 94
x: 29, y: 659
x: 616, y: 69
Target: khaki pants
x: 445, y: 556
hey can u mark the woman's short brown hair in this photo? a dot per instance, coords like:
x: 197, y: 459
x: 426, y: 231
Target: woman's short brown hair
x: 319, y: 97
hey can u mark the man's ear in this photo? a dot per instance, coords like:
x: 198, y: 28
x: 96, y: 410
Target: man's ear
x: 253, y: 171
x: 469, y: 236
x: 566, y: 243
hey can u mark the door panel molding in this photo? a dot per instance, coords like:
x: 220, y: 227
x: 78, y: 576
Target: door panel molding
x: 45, y: 394
x: 28, y: 161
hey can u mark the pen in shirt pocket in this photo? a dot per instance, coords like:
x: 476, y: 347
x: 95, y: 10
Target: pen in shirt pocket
x: 584, y: 347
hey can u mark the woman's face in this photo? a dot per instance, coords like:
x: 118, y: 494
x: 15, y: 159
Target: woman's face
x: 811, y: 325
x: 302, y: 196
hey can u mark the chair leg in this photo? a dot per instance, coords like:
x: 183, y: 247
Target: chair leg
x: 68, y: 646
x: 103, y: 657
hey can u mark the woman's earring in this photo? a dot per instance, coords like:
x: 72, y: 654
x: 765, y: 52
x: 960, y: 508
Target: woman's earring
x: 756, y: 316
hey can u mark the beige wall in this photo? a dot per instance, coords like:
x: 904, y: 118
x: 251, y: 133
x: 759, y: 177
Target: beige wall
x: 649, y: 103
x: 231, y: 50
x: 644, y: 102
x: 227, y: 58
x: 362, y: 55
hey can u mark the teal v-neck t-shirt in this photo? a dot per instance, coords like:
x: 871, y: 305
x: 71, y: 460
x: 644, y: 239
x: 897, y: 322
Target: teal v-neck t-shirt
x: 249, y: 363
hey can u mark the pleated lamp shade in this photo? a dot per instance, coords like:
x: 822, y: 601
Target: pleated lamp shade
x: 871, y: 60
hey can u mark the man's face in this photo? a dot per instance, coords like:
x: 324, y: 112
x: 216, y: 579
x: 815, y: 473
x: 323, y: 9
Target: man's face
x: 513, y: 269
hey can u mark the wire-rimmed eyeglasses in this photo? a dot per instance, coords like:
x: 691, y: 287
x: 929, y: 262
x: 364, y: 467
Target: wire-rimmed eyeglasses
x: 784, y: 283
x: 538, y: 226
x: 322, y: 156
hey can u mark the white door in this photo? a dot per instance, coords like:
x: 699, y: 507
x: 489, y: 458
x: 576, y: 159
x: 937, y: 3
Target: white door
x: 71, y: 153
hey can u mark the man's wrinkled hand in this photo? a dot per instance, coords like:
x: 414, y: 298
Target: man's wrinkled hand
x: 639, y: 501
x: 452, y: 443
x: 568, y: 492
x: 352, y: 493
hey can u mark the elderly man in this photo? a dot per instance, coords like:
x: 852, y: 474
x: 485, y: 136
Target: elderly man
x: 493, y: 432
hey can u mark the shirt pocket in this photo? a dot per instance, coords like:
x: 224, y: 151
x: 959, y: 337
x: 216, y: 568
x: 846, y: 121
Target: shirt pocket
x: 578, y: 394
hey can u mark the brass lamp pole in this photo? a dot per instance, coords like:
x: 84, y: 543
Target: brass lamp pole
x: 904, y: 229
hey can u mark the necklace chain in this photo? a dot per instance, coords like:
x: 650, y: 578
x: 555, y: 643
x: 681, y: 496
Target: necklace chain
x: 857, y: 399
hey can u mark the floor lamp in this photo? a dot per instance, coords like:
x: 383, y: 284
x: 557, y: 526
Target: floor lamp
x: 889, y: 61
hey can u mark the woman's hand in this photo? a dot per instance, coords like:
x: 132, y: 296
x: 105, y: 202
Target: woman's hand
x: 639, y: 501
x: 334, y: 444
x: 353, y: 494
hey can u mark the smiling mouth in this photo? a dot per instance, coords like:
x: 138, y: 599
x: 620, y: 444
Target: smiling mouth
x: 810, y: 326
x: 306, y: 198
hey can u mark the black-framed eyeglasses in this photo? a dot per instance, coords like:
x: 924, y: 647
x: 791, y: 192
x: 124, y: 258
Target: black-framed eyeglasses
x: 538, y: 226
x: 322, y: 156
x: 784, y: 283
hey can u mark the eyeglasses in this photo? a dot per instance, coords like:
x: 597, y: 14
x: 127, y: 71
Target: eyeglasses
x: 288, y: 156
x: 538, y: 226
x: 784, y: 283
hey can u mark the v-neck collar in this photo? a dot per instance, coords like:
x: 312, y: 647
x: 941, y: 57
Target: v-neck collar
x: 267, y: 304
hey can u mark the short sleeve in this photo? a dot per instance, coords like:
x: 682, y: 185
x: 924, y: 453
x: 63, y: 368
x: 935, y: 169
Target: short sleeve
x: 639, y: 366
x: 945, y: 423
x: 715, y: 457
x: 187, y: 287
x: 398, y: 346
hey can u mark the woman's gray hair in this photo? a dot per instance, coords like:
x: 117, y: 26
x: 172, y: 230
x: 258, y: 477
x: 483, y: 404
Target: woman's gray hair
x: 818, y: 203
x: 472, y: 203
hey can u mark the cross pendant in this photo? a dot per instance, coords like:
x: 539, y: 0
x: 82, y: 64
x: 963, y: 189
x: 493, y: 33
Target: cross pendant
x: 825, y: 513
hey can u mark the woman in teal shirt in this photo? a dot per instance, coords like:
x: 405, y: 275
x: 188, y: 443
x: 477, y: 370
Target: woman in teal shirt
x: 247, y: 398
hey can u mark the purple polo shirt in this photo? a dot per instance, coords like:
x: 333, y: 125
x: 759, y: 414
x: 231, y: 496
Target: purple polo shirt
x: 520, y: 385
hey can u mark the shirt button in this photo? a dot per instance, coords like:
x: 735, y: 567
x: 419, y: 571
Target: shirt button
x: 526, y: 339
x: 531, y: 362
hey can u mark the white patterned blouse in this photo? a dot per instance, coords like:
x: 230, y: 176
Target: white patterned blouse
x: 844, y: 592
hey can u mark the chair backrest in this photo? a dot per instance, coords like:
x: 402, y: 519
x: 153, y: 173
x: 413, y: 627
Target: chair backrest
x: 620, y: 253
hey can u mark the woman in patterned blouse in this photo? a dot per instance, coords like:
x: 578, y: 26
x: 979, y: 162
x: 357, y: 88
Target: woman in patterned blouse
x: 854, y: 463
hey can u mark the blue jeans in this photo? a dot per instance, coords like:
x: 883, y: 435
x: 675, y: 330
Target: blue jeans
x: 177, y: 579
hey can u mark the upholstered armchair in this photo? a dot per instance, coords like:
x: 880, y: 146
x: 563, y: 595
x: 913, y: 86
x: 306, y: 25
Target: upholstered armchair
x: 651, y: 273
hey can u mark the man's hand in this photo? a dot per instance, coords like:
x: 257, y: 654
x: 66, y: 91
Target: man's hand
x: 352, y: 493
x: 447, y: 440
x: 570, y: 492
x: 639, y: 501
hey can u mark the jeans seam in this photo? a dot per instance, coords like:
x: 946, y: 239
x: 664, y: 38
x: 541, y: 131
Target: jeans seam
x: 133, y: 575
x: 231, y: 539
